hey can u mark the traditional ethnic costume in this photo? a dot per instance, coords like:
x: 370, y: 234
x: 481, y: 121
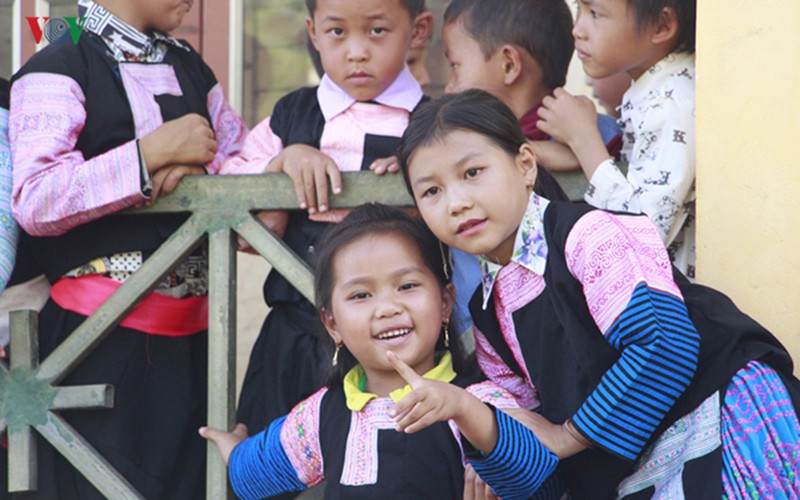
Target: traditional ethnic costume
x: 679, y: 392
x: 78, y: 111
x: 344, y: 436
x: 288, y: 360
x: 466, y: 270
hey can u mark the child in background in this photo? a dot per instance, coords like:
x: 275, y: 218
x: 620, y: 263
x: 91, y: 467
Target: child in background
x: 8, y: 227
x: 654, y: 43
x: 608, y: 91
x: 644, y: 384
x: 9, y: 231
x: 352, y: 119
x: 518, y: 51
x: 400, y: 405
x: 96, y: 127
x: 416, y: 65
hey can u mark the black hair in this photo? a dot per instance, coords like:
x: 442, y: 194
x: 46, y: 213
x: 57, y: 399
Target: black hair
x: 648, y: 12
x: 414, y: 7
x: 541, y: 27
x: 371, y: 219
x: 473, y: 110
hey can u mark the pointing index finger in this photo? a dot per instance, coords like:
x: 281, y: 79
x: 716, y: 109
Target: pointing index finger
x: 405, y: 371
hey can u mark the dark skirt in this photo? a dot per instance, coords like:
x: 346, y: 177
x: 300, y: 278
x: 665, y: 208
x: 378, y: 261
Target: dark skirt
x: 150, y: 436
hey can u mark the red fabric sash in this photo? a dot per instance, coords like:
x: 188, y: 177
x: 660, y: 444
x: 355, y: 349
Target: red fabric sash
x: 156, y: 315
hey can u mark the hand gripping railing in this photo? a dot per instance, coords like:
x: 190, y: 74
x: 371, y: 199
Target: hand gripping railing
x: 220, y: 206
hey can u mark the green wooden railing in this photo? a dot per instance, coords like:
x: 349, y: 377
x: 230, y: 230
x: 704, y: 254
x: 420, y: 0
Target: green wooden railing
x: 220, y: 207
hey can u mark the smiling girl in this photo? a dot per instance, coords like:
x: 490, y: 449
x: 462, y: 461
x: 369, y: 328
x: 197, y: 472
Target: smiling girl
x: 397, y: 419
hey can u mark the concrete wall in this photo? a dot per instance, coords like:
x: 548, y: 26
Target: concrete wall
x: 748, y: 122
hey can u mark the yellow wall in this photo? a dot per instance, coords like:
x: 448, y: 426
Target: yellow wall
x: 748, y: 153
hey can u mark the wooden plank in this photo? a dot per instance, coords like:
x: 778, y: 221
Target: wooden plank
x: 282, y: 258
x: 22, y: 468
x: 221, y: 352
x: 24, y: 339
x: 244, y: 193
x: 85, y: 397
x: 276, y: 192
x: 85, y: 458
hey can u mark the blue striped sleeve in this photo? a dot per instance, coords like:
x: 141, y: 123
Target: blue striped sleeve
x: 519, y: 464
x: 659, y: 347
x: 258, y: 466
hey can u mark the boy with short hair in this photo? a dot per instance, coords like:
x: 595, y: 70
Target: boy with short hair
x: 352, y: 119
x: 518, y: 51
x: 97, y: 127
x: 653, y: 41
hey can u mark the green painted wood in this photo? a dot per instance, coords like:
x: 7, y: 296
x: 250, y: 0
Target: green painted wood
x: 22, y: 473
x: 573, y: 182
x: 24, y: 346
x: 230, y: 194
x: 85, y: 397
x: 282, y: 258
x: 221, y: 352
x: 85, y: 458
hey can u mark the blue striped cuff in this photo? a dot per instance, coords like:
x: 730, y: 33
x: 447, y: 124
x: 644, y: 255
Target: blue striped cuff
x: 519, y: 463
x: 258, y: 466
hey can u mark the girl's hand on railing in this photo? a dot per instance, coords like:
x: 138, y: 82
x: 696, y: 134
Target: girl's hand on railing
x: 225, y: 441
x: 384, y: 165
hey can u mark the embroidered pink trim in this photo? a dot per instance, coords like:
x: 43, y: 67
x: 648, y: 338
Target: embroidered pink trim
x: 229, y: 128
x: 493, y: 394
x: 610, y: 255
x: 361, y: 456
x: 300, y: 439
x: 55, y: 188
x: 260, y: 146
x: 498, y: 372
x: 143, y: 82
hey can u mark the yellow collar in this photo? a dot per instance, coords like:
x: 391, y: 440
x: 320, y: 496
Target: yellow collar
x: 357, y: 399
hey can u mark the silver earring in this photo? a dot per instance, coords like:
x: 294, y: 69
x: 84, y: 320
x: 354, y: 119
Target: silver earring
x: 336, y: 355
x: 446, y: 335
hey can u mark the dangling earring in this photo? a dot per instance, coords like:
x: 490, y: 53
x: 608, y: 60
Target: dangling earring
x: 336, y: 355
x: 446, y: 335
x: 444, y: 261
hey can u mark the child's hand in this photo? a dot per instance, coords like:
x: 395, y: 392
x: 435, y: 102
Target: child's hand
x: 225, y: 441
x: 165, y: 180
x: 475, y: 488
x: 383, y: 165
x: 429, y: 402
x: 555, y: 156
x: 566, y: 117
x: 310, y: 169
x: 2, y: 352
x: 555, y: 437
x: 187, y: 140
